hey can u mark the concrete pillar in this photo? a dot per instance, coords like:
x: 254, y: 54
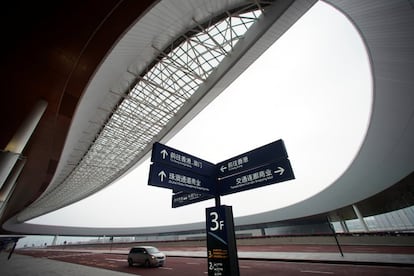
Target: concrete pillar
x: 54, y: 242
x: 8, y: 187
x: 7, y: 162
x: 14, y: 148
x: 360, y: 217
x: 344, y: 227
x: 26, y: 129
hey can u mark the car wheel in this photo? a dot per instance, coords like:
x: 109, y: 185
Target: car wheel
x: 130, y: 262
x: 147, y: 263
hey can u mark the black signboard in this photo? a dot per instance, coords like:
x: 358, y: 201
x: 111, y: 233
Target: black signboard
x: 180, y: 180
x: 175, y: 158
x: 252, y: 159
x: 184, y: 198
x: 262, y: 176
x: 221, y: 242
x: 193, y: 180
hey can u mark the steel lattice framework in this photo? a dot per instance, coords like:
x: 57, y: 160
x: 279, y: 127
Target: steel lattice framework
x: 159, y: 92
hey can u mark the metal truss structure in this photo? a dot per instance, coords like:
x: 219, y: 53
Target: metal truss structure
x: 158, y: 93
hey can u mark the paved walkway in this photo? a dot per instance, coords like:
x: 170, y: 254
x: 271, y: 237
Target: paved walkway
x: 25, y: 265
x: 29, y: 266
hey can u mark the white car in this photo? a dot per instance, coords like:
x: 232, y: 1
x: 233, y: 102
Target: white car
x: 146, y: 255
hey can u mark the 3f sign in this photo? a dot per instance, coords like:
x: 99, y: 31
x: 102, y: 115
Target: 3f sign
x: 221, y: 242
x: 216, y: 224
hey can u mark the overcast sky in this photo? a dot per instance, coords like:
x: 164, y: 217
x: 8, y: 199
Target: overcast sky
x: 312, y: 89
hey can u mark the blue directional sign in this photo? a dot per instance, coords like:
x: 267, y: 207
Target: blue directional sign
x: 180, y: 180
x: 184, y: 198
x: 276, y: 172
x: 258, y: 157
x: 193, y: 180
x: 172, y: 157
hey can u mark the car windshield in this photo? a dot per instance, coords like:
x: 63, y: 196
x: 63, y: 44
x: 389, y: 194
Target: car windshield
x: 152, y: 250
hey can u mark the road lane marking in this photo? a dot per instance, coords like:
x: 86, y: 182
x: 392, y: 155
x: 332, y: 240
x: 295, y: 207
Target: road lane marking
x: 193, y: 263
x: 165, y: 268
x: 316, y: 272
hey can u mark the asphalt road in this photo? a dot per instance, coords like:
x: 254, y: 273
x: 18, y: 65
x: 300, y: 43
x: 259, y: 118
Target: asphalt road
x: 198, y: 266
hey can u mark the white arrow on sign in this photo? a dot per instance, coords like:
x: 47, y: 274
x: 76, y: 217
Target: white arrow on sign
x: 223, y: 168
x: 280, y: 170
x: 162, y: 175
x: 164, y: 153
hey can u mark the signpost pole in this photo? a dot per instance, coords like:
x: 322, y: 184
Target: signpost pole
x: 218, y: 202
